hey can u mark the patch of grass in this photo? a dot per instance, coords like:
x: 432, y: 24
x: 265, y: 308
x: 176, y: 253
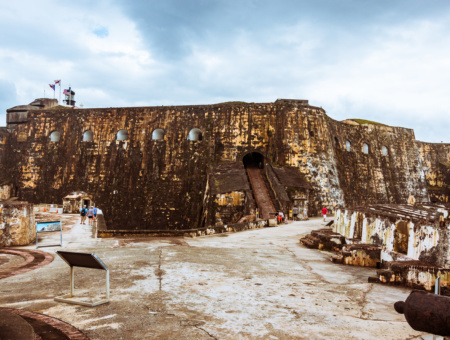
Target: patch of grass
x: 365, y: 121
x: 58, y: 107
x: 234, y: 103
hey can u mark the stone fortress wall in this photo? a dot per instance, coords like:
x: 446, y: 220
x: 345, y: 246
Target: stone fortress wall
x: 435, y: 159
x: 153, y: 173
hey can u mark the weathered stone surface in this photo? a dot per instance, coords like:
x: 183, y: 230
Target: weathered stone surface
x: 153, y: 180
x: 436, y: 165
x: 415, y: 274
x: 5, y: 192
x: 363, y: 255
x: 375, y: 177
x: 228, y: 195
x: 414, y: 232
x: 17, y: 224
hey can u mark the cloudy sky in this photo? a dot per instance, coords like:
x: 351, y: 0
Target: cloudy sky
x: 382, y: 60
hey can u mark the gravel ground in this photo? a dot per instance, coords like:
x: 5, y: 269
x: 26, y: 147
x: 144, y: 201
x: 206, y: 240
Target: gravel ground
x: 256, y: 284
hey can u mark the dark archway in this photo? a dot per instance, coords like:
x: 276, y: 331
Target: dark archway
x: 401, y: 237
x: 253, y: 160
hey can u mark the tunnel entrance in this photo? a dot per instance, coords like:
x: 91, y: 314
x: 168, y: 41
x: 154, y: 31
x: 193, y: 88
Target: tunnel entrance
x: 253, y: 160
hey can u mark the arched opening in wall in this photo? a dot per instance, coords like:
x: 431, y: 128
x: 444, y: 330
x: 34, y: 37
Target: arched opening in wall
x: 401, y: 236
x: 55, y: 136
x: 365, y: 148
x: 195, y: 135
x: 88, y: 136
x: 348, y: 146
x: 253, y: 160
x: 122, y: 135
x: 384, y: 150
x: 158, y: 134
x: 311, y: 133
x: 336, y: 142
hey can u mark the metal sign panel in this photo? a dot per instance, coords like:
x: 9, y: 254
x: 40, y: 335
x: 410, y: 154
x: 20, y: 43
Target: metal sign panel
x: 43, y: 227
x: 48, y: 226
x: 85, y: 260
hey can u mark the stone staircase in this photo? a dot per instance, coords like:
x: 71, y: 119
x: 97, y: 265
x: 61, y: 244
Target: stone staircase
x: 260, y: 191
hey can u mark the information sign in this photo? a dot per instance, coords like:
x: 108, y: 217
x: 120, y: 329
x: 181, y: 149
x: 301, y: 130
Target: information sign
x: 43, y: 227
x: 82, y: 260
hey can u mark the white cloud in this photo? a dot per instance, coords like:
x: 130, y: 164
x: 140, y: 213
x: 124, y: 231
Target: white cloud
x: 385, y: 63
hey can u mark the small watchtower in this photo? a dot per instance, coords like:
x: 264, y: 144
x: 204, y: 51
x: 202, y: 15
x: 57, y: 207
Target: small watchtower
x: 70, y: 96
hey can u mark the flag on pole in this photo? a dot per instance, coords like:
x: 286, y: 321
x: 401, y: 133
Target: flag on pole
x: 52, y: 86
x: 59, y: 84
x: 66, y: 92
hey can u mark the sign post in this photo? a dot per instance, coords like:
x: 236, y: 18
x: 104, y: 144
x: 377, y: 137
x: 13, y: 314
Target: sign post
x: 83, y: 260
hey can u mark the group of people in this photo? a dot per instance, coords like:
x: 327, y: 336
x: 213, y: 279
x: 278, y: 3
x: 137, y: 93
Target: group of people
x: 297, y: 214
x: 280, y: 217
x: 91, y: 214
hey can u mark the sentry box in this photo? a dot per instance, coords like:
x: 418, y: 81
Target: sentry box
x: 83, y: 260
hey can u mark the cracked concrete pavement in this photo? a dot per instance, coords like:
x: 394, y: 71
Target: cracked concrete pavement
x: 256, y: 284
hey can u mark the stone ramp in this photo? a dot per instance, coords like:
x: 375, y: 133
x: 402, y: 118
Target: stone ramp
x: 260, y: 192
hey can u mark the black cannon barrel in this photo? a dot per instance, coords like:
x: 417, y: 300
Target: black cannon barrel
x: 426, y: 312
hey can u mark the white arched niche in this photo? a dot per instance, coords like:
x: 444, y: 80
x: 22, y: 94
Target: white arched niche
x: 195, y: 134
x: 158, y: 134
x: 55, y: 136
x: 365, y: 148
x: 348, y: 146
x: 384, y: 150
x: 88, y: 136
x: 122, y: 135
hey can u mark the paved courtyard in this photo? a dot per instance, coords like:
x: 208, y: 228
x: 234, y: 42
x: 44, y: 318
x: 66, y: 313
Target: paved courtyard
x: 256, y: 284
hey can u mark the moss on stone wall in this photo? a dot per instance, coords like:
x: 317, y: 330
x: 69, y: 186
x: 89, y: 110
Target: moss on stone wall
x: 141, y: 183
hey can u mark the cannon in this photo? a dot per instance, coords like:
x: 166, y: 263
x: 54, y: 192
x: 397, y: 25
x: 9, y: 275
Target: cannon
x: 426, y: 312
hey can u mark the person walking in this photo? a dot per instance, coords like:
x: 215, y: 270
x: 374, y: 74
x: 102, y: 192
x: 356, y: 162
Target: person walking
x: 83, y: 213
x: 90, y: 215
x: 95, y: 214
x: 324, y: 213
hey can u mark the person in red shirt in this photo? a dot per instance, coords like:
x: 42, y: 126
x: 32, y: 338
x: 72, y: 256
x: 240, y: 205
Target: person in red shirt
x: 279, y: 218
x: 324, y: 213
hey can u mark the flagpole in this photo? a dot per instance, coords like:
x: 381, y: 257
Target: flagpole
x: 59, y: 102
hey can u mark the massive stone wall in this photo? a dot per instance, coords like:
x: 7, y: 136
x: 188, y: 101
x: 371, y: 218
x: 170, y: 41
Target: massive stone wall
x: 387, y: 171
x: 146, y: 183
x: 3, y: 140
x: 435, y: 159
